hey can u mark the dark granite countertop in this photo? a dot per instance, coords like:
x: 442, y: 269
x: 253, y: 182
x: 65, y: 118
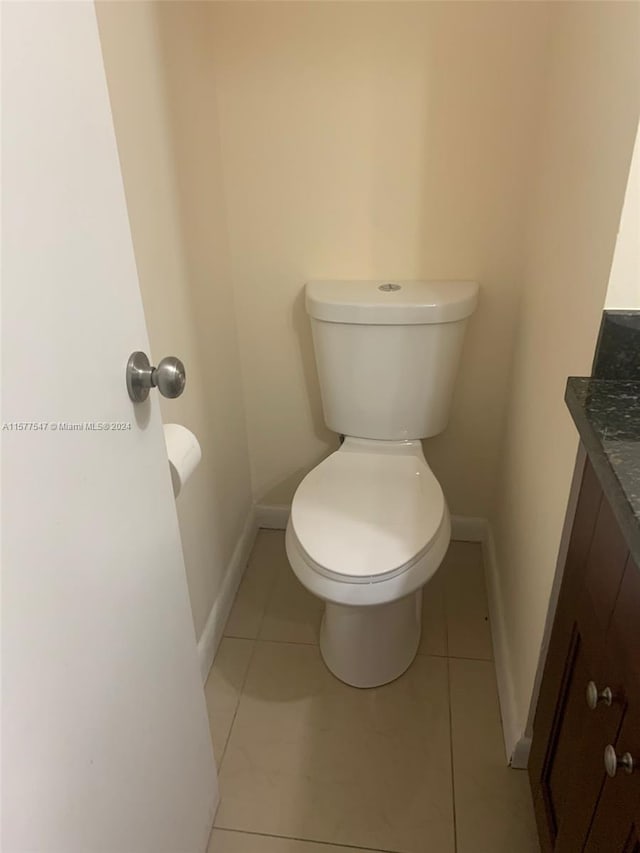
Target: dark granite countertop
x: 607, y: 415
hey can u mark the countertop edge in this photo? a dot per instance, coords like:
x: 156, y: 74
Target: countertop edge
x: 611, y: 486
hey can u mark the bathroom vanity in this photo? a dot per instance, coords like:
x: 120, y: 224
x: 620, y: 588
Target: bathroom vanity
x: 584, y: 766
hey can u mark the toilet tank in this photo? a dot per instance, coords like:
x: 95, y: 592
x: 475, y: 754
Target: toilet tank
x: 387, y: 353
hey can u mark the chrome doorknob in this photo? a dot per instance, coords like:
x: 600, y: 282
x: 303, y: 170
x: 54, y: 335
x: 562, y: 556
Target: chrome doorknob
x: 169, y: 377
x: 612, y: 761
x: 597, y: 697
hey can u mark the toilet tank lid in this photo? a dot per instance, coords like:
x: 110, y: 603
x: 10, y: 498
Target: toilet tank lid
x: 380, y: 302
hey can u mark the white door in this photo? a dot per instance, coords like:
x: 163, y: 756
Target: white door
x: 104, y: 728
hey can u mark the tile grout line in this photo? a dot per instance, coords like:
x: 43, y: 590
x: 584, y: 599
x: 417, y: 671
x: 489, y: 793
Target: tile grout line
x: 268, y: 598
x: 453, y: 774
x: 454, y: 657
x: 446, y: 618
x: 240, y: 692
x: 254, y: 641
x: 269, y: 640
x: 447, y: 614
x: 316, y: 645
x: 328, y: 844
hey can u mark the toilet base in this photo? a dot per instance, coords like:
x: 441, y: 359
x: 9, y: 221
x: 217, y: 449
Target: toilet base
x: 370, y: 646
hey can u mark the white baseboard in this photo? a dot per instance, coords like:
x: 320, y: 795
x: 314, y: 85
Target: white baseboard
x: 214, y: 629
x: 516, y: 745
x: 520, y: 755
x: 272, y: 516
x: 466, y: 528
x: 463, y: 528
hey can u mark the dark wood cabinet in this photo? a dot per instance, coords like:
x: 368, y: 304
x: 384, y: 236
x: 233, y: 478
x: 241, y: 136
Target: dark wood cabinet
x: 595, y: 641
x: 616, y: 821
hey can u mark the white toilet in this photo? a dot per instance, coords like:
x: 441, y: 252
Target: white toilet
x: 369, y: 525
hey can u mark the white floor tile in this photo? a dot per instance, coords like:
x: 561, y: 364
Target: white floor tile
x: 258, y: 581
x: 222, y: 690
x: 292, y: 613
x: 468, y: 631
x: 224, y: 841
x: 494, y: 812
x: 433, y: 640
x: 311, y: 758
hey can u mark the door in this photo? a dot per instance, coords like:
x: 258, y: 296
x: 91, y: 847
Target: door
x: 104, y: 727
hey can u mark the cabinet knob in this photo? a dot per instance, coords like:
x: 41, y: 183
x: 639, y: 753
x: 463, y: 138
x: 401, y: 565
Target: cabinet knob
x: 597, y: 697
x: 612, y: 761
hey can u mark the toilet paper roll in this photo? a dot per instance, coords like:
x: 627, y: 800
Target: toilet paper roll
x: 183, y: 450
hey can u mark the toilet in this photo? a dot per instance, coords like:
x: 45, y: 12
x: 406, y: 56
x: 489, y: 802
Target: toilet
x: 369, y: 525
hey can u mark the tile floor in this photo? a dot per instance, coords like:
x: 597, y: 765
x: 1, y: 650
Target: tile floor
x: 309, y: 765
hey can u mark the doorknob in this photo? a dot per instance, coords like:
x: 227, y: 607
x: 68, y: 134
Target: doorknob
x: 169, y: 377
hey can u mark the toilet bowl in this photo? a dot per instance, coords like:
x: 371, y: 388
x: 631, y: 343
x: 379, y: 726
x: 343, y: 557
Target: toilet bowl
x: 368, y: 527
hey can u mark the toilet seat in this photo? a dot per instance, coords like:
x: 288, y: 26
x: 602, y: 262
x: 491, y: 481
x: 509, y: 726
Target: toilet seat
x: 369, y: 512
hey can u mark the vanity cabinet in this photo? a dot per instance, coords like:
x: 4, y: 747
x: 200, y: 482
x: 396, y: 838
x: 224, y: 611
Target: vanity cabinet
x: 590, y: 692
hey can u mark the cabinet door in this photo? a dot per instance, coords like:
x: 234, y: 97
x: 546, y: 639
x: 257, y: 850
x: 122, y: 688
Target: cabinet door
x: 616, y: 822
x: 569, y: 784
x: 601, y: 724
x: 560, y: 650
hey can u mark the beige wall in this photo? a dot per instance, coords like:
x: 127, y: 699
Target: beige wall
x: 585, y: 144
x: 167, y: 149
x: 366, y: 140
x: 624, y: 281
x: 267, y: 143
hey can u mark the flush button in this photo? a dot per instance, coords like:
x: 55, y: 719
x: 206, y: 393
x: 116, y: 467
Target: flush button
x: 388, y: 288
